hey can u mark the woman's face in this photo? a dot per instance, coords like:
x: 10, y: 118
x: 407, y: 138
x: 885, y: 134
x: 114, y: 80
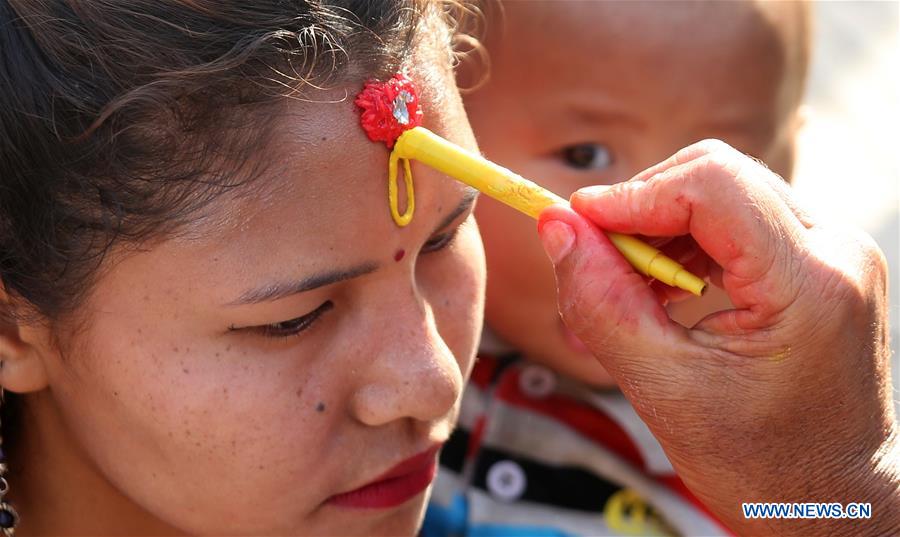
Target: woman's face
x: 289, y: 349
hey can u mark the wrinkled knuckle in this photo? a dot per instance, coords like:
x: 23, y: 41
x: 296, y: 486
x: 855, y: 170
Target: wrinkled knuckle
x: 576, y: 314
x: 866, y: 263
x: 714, y: 172
x: 874, y: 263
x: 854, y: 283
x: 570, y: 304
x: 581, y: 305
x: 872, y: 253
x: 759, y: 164
x: 850, y: 296
x: 568, y: 308
x: 728, y: 160
x: 711, y: 146
x: 584, y: 304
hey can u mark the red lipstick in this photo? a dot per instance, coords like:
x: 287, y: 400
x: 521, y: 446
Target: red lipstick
x: 394, y: 487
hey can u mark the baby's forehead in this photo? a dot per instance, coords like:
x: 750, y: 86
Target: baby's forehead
x: 668, y: 28
x: 727, y: 48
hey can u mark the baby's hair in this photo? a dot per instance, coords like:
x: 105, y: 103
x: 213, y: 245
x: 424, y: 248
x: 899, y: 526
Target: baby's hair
x: 116, y: 116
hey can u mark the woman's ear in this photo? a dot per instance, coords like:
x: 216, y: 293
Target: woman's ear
x: 21, y: 361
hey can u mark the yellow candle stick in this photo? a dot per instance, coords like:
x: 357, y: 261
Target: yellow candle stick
x: 519, y: 193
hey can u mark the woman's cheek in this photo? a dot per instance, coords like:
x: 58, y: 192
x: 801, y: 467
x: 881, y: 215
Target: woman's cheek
x: 185, y: 415
x: 459, y: 305
x: 472, y: 250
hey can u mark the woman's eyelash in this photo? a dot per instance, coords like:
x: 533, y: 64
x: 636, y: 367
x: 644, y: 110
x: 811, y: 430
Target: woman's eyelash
x: 291, y: 327
x: 297, y: 325
x: 440, y: 242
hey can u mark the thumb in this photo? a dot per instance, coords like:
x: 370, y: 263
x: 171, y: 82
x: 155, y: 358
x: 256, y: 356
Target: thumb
x: 608, y: 305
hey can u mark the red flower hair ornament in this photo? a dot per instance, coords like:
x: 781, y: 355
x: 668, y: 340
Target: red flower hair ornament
x: 388, y: 110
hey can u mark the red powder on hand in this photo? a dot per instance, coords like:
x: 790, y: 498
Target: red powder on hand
x: 389, y: 108
x: 399, y: 254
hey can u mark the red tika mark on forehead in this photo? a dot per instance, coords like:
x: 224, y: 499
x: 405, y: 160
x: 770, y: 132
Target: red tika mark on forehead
x: 389, y: 108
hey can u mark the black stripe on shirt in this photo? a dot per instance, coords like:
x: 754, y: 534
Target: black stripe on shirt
x: 568, y: 487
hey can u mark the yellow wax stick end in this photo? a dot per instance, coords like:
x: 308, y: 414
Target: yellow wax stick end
x: 651, y: 262
x: 521, y: 194
x: 687, y: 281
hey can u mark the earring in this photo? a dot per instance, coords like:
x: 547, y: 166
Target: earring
x: 8, y: 516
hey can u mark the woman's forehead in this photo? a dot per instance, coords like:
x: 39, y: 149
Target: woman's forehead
x: 317, y: 157
x: 319, y: 200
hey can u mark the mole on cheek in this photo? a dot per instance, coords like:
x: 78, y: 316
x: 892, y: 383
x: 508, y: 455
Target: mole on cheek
x: 320, y: 407
x: 399, y: 254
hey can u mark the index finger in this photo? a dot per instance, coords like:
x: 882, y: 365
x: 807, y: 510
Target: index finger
x: 707, y: 147
x: 723, y: 200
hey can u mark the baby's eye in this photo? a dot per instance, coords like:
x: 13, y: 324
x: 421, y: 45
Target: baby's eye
x: 293, y: 326
x: 588, y: 156
x: 439, y: 242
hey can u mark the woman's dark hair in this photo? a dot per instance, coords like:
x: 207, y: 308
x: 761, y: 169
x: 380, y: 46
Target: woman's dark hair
x: 113, y: 113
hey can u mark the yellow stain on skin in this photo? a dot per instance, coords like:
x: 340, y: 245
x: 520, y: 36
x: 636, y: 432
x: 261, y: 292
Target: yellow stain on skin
x: 782, y: 355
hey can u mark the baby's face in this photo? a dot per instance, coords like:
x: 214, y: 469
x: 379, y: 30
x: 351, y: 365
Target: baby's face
x: 585, y: 93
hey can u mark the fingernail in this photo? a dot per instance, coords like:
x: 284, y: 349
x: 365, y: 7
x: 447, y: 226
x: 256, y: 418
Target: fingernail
x: 558, y: 239
x: 591, y: 191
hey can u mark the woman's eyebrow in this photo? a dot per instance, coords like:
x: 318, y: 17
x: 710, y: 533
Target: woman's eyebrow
x: 464, y: 205
x: 279, y: 290
x: 284, y: 289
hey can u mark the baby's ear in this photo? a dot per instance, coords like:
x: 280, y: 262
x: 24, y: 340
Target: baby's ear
x: 801, y: 117
x: 21, y: 362
x: 785, y: 164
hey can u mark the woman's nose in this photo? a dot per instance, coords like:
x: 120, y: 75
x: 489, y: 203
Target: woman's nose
x: 413, y: 374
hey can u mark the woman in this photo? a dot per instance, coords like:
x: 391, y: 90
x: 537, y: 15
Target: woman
x: 211, y: 323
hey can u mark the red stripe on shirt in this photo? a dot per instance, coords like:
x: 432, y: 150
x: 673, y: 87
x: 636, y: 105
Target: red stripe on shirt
x: 585, y: 419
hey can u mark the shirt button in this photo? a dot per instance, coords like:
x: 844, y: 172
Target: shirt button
x: 506, y: 481
x: 537, y: 381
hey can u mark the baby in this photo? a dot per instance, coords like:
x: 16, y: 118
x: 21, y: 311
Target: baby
x: 578, y: 94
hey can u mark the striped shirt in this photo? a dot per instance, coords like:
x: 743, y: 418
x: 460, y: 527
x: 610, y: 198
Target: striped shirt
x: 536, y: 454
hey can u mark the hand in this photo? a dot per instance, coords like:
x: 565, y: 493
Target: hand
x: 786, y: 398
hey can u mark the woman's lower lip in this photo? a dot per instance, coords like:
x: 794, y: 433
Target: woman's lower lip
x: 391, y: 490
